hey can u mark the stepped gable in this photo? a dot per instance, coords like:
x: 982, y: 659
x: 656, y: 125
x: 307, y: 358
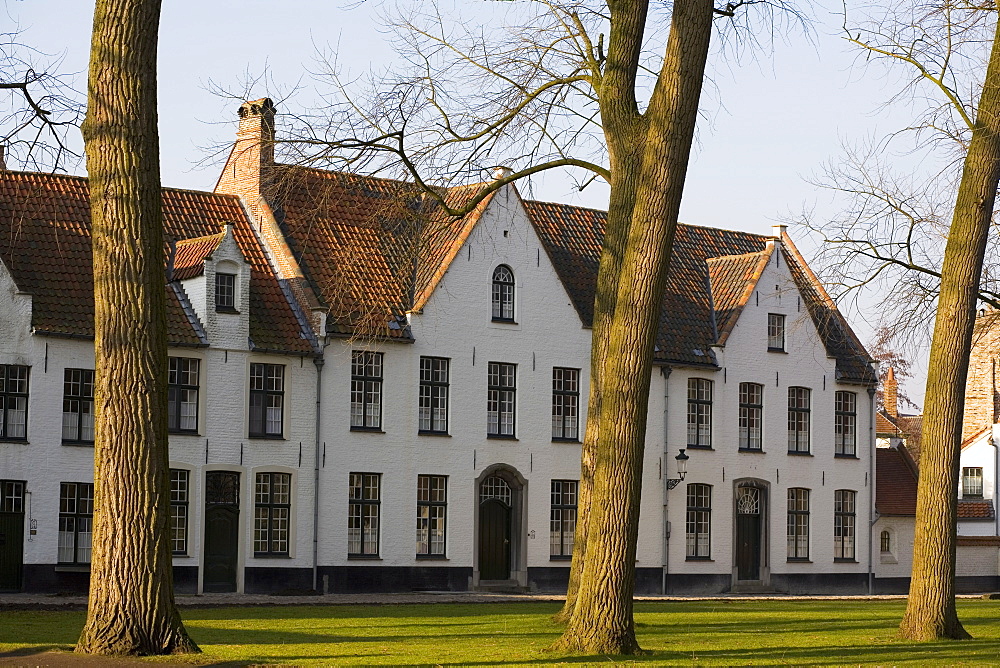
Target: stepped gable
x: 895, y: 482
x: 45, y: 244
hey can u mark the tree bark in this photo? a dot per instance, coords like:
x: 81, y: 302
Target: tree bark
x: 930, y: 609
x: 644, y: 221
x: 131, y: 609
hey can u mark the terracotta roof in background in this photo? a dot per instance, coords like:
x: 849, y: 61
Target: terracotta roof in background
x: 978, y: 541
x: 975, y: 437
x: 980, y: 509
x: 884, y: 424
x: 733, y: 279
x: 190, y: 255
x: 895, y: 482
x: 45, y: 244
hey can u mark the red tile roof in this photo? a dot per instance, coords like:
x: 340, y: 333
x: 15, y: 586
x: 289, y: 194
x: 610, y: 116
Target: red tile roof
x: 190, y: 255
x: 978, y: 541
x: 975, y: 510
x: 895, y: 482
x: 45, y: 244
x: 733, y: 279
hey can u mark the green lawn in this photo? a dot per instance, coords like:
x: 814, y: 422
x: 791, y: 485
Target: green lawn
x: 706, y: 632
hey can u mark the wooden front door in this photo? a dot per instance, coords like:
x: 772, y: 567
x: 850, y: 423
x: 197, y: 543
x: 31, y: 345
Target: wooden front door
x: 222, y: 530
x: 494, y: 540
x: 11, y: 534
x: 749, y: 527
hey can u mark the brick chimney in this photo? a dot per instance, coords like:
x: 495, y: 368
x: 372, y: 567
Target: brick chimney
x: 890, y: 393
x: 252, y: 154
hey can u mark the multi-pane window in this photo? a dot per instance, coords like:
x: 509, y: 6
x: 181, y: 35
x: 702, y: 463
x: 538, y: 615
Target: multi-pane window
x: 225, y: 292
x: 562, y: 522
x: 272, y: 513
x: 845, y: 422
x: 267, y: 400
x: 798, y: 524
x: 432, y: 504
x: 11, y: 496
x: 502, y: 378
x: 13, y: 401
x: 798, y: 419
x: 972, y: 481
x: 363, y: 514
x: 182, y: 394
x: 885, y: 542
x: 699, y: 521
x: 843, y: 524
x: 78, y: 406
x: 433, y: 410
x: 503, y: 294
x: 565, y: 404
x: 179, y: 496
x: 751, y: 416
x: 699, y: 418
x: 775, y: 331
x: 366, y: 390
x: 76, y: 520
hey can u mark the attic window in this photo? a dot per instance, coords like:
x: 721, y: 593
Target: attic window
x: 503, y: 294
x: 972, y: 482
x: 225, y: 292
x: 775, y: 332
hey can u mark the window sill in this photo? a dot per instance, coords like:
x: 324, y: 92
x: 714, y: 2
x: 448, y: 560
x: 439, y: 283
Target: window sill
x: 796, y: 453
x: 265, y: 555
x: 432, y: 557
x: 698, y: 559
x: 837, y: 455
x: 565, y: 440
x: 755, y: 451
x: 368, y: 430
x: 777, y: 350
x: 699, y: 447
x: 501, y: 437
x: 974, y: 497
x: 799, y: 560
x: 226, y: 309
x: 842, y: 560
x: 560, y: 557
x: 79, y: 444
x: 504, y: 321
x: 433, y: 433
x: 182, y: 432
x: 72, y: 568
x: 886, y: 558
x: 363, y: 557
x: 19, y: 441
x: 267, y: 437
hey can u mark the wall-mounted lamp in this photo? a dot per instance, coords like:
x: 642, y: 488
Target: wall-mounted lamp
x: 682, y: 467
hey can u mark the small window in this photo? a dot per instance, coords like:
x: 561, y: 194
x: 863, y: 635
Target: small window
x: 363, y: 515
x: 366, y: 390
x: 179, y: 497
x: 272, y: 514
x: 500, y: 397
x: 78, y: 406
x: 798, y: 524
x: 503, y: 294
x: 13, y: 402
x: 972, y: 481
x: 699, y: 521
x: 885, y: 541
x: 562, y: 519
x: 775, y: 331
x: 76, y: 522
x: 433, y: 409
x: 843, y: 525
x: 182, y: 394
x: 267, y: 400
x: 565, y: 404
x: 225, y: 292
x: 699, y: 417
x: 432, y: 505
x: 12, y: 496
x: 845, y: 424
x: 798, y: 420
x: 751, y: 416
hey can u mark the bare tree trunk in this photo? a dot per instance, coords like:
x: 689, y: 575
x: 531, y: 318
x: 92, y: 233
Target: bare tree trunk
x: 930, y: 609
x: 131, y: 609
x: 661, y: 143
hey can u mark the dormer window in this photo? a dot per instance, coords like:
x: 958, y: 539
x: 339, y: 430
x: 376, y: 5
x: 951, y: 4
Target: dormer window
x: 225, y: 292
x: 775, y: 332
x: 503, y: 294
x: 972, y: 482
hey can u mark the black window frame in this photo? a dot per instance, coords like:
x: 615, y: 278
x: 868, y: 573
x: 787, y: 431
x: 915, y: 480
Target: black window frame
x: 225, y: 292
x: 699, y: 413
x: 885, y: 542
x: 367, y: 377
x: 797, y: 416
x: 845, y: 525
x: 776, y: 332
x: 12, y: 496
x: 503, y: 294
x: 180, y: 500
x: 563, y: 499
x: 434, y: 395
x: 78, y: 388
x: 358, y: 481
x: 81, y: 501
x: 429, y: 510
x: 751, y: 417
x: 565, y: 404
x: 499, y: 394
x: 845, y: 424
x: 698, y: 514
x: 966, y: 477
x: 259, y: 423
x: 269, y: 514
x: 797, y: 525
x: 10, y: 394
x: 176, y: 392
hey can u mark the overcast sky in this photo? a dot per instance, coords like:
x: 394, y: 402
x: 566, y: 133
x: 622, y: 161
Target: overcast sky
x: 770, y: 119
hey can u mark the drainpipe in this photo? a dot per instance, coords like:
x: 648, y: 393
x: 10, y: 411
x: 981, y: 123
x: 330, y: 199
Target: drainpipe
x: 320, y: 363
x: 872, y: 516
x: 665, y: 372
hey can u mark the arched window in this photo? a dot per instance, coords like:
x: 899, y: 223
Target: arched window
x: 886, y: 540
x: 503, y: 294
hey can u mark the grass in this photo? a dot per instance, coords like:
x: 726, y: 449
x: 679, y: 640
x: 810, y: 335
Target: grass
x: 829, y: 633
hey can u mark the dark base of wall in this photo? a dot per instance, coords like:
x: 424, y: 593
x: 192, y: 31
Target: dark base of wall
x: 684, y: 584
x: 820, y: 584
x: 360, y: 579
x: 46, y: 579
x: 274, y: 580
x: 554, y: 579
x: 185, y: 579
x: 964, y: 584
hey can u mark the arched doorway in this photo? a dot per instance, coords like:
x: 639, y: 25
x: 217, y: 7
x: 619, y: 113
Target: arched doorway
x: 500, y: 546
x: 751, y: 565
